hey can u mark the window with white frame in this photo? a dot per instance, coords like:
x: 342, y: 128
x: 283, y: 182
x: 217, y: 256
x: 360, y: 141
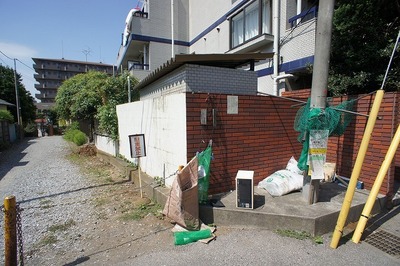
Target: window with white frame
x: 300, y: 11
x: 252, y: 21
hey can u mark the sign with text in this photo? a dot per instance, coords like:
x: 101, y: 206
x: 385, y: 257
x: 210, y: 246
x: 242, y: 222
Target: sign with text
x: 137, y: 145
x: 317, y: 152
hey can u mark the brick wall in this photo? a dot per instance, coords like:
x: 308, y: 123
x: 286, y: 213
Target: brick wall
x: 261, y: 137
x: 344, y: 149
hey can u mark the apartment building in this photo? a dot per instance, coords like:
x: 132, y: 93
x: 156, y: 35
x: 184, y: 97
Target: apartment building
x: 156, y: 31
x: 50, y: 73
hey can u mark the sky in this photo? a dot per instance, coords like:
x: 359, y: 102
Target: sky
x: 71, y: 29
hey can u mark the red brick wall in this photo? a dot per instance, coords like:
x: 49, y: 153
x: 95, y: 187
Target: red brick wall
x: 260, y: 137
x: 344, y: 149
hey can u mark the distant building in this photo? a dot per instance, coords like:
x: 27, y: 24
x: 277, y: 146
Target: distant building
x: 50, y: 74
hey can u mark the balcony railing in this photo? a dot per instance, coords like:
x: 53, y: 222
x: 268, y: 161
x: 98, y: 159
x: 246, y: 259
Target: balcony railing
x: 304, y: 16
x: 139, y: 67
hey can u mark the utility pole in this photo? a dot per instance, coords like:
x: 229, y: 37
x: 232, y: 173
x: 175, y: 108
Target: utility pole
x: 16, y: 93
x: 319, y: 86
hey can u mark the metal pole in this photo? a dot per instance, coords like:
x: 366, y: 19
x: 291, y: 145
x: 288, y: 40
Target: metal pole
x: 348, y: 198
x: 375, y: 188
x: 276, y: 44
x: 390, y: 61
x: 10, y: 231
x: 140, y: 179
x: 172, y: 30
x: 129, y: 89
x: 16, y: 93
x: 320, y: 75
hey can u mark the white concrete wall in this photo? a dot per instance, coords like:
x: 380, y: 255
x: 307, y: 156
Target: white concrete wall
x: 106, y: 144
x: 163, y: 122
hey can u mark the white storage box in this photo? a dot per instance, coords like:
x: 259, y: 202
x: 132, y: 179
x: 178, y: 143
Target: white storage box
x: 245, y: 189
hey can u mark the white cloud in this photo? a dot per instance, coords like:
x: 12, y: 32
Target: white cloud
x: 15, y: 50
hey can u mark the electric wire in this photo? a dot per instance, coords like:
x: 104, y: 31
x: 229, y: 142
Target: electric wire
x: 297, y: 24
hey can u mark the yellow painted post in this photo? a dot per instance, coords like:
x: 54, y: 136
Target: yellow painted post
x: 10, y: 231
x: 375, y: 188
x: 337, y: 234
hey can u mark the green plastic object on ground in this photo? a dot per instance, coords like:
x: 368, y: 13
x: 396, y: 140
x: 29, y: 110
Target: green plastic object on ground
x: 204, y: 159
x: 186, y: 237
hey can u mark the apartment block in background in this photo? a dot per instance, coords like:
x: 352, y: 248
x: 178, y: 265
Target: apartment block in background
x: 50, y: 74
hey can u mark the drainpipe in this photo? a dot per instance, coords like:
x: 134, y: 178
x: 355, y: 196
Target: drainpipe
x: 172, y: 29
x: 145, y: 61
x: 276, y: 81
x: 276, y: 44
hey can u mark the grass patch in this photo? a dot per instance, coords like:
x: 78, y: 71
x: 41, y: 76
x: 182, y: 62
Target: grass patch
x: 100, y: 202
x: 47, y: 240
x: 300, y: 235
x: 45, y: 204
x: 142, y: 211
x: 62, y: 227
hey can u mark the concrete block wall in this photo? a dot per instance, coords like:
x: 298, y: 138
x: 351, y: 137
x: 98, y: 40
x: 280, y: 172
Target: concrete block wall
x: 174, y: 82
x: 220, y: 80
x: 344, y: 149
x: 197, y: 78
x: 259, y: 137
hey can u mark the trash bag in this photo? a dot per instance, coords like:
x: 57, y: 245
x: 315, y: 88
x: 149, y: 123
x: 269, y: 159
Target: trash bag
x: 204, y: 161
x: 283, y: 181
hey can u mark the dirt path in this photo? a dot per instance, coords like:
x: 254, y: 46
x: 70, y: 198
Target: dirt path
x: 78, y: 209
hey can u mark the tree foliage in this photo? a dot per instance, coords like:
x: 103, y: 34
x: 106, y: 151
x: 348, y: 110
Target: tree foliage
x: 7, y: 93
x: 94, y: 95
x: 363, y: 38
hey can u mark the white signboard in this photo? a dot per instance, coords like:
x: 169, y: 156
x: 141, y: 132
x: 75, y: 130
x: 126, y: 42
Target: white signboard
x: 317, y: 152
x: 137, y: 145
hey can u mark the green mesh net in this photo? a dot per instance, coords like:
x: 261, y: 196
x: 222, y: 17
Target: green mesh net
x: 330, y: 118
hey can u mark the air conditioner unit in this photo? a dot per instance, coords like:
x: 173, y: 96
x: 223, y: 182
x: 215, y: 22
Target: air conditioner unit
x: 245, y: 189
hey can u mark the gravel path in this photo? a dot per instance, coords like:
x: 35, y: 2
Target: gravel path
x: 49, y: 188
x: 54, y: 193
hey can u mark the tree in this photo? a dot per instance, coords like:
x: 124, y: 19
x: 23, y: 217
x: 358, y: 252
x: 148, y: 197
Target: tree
x: 7, y: 93
x: 94, y: 95
x: 363, y: 37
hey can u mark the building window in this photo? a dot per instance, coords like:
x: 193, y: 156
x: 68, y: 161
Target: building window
x: 300, y: 11
x: 254, y: 20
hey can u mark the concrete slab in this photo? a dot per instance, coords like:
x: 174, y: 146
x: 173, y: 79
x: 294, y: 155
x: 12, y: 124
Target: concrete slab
x: 291, y: 211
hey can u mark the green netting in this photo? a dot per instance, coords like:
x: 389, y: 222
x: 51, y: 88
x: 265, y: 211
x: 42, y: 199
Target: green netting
x: 204, y: 158
x: 329, y: 118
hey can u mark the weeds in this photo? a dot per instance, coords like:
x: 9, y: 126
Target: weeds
x: 62, y: 227
x: 47, y: 240
x: 45, y: 204
x: 142, y: 211
x: 300, y: 235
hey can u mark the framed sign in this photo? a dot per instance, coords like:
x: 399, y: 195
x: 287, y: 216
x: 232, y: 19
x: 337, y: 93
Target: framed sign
x: 137, y: 145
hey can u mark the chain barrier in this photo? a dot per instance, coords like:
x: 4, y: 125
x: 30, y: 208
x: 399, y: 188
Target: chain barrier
x: 20, y: 241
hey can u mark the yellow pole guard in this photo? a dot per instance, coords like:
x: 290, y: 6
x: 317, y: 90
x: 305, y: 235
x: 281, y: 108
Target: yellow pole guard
x: 10, y: 231
x: 375, y: 188
x: 337, y: 234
